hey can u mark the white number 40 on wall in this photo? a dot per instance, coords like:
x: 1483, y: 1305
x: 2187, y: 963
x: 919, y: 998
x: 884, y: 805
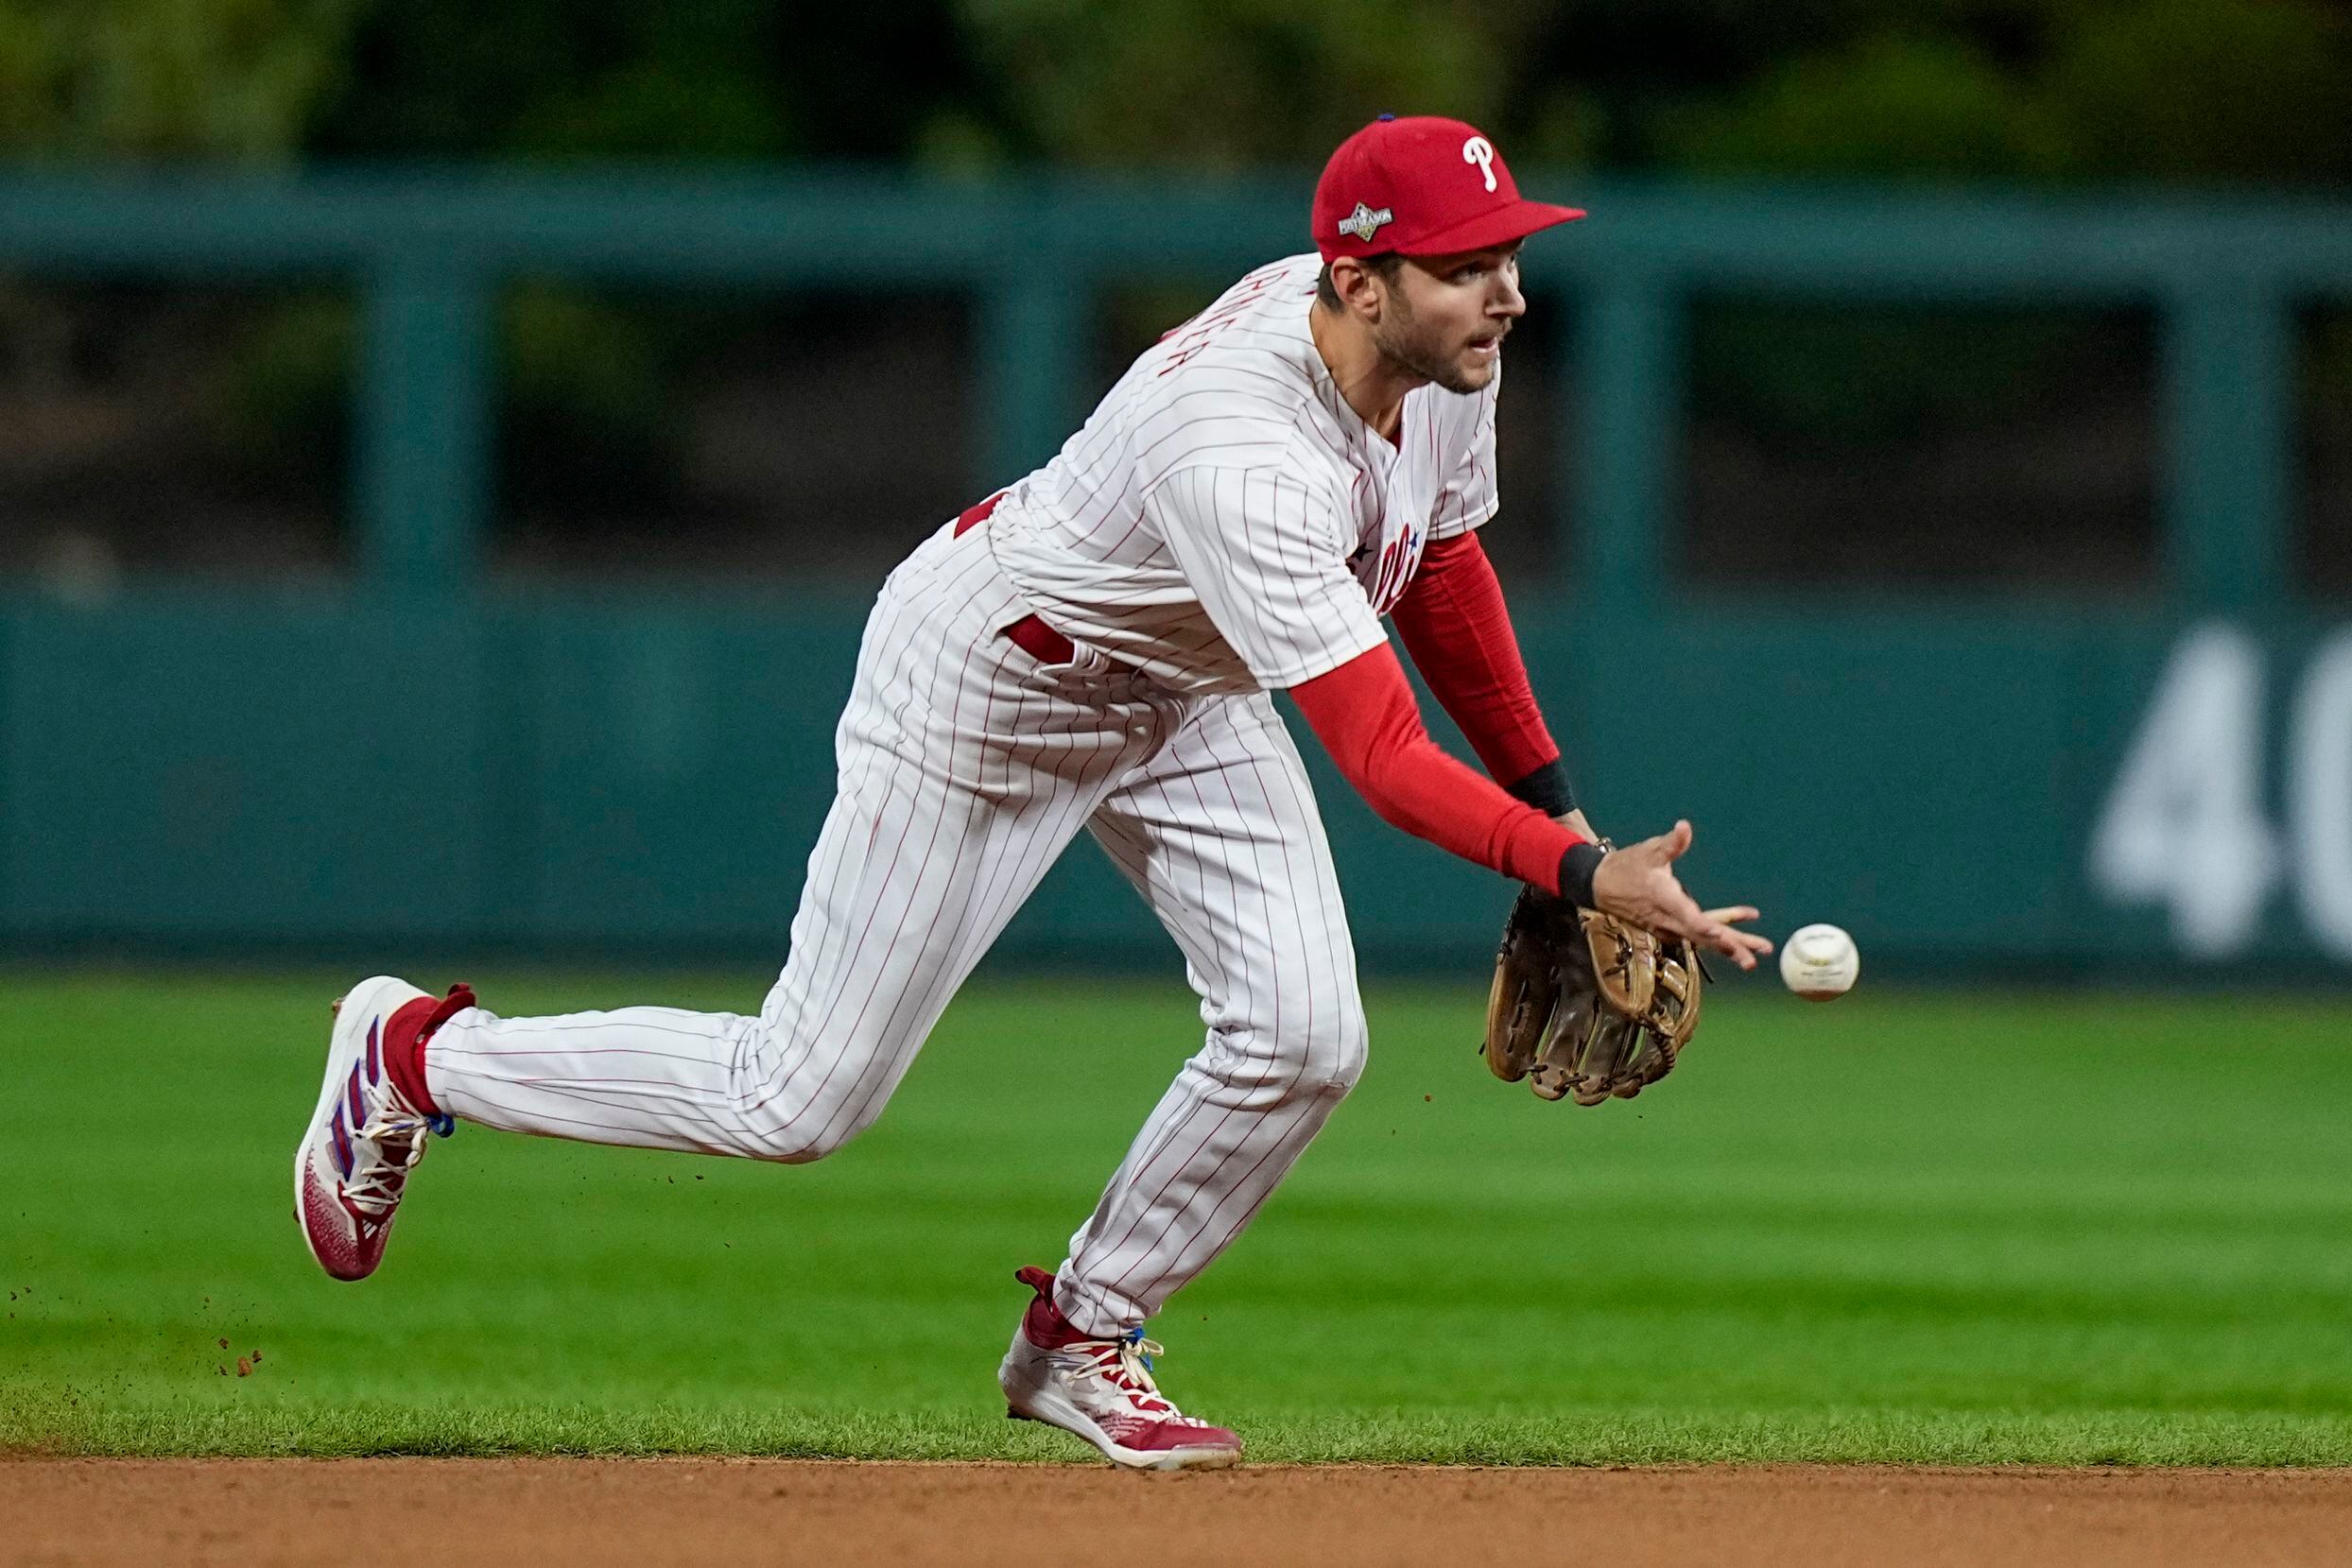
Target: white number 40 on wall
x: 2184, y: 825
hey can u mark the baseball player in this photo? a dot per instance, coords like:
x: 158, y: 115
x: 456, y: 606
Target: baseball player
x: 1095, y: 647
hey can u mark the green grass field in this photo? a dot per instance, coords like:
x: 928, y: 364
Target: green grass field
x: 1906, y: 1227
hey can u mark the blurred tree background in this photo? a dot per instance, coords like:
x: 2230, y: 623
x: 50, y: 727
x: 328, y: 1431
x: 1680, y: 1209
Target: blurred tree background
x: 2037, y: 90
x: 2044, y: 93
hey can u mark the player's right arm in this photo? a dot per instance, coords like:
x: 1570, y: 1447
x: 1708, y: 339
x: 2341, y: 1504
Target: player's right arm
x: 1264, y: 547
x: 1364, y: 713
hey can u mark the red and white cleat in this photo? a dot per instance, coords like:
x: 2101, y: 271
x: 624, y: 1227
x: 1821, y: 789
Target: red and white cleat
x: 364, y: 1138
x: 1102, y: 1390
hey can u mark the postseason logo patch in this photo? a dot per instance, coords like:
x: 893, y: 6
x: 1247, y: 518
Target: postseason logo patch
x: 1363, y: 221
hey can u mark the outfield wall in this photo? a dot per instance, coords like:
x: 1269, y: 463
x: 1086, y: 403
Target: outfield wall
x: 2118, y: 796
x: 2152, y: 782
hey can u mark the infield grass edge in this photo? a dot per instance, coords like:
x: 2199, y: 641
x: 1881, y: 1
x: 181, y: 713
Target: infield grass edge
x: 55, y: 1425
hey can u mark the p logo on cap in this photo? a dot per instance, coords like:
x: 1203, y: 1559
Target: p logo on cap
x: 1478, y: 150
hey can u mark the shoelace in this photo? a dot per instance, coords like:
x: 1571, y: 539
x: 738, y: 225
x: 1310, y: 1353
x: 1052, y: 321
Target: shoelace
x: 1125, y: 1364
x: 396, y: 1129
x: 385, y: 1150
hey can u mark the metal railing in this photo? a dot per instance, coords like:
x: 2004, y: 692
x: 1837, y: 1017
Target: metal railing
x: 429, y: 250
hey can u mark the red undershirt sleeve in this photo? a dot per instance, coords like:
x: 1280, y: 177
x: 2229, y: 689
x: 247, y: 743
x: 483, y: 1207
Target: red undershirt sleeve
x: 1364, y: 713
x: 1455, y: 625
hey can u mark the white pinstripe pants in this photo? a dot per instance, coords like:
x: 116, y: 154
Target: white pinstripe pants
x: 966, y: 768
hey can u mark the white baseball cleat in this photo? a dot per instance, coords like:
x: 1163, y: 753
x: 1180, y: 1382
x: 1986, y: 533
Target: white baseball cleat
x: 1102, y: 1390
x: 364, y: 1138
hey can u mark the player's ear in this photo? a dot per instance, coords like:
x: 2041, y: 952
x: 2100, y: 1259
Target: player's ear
x: 1360, y: 289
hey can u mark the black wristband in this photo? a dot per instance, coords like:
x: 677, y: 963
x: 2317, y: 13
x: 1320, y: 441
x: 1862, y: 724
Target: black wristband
x: 1577, y: 865
x: 1546, y: 789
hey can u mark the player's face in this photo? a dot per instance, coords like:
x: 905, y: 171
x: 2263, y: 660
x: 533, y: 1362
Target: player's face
x: 1446, y: 315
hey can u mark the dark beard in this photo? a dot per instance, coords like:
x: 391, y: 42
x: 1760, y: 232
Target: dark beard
x: 1403, y: 350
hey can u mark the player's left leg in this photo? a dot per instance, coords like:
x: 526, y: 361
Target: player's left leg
x: 1219, y: 831
x: 1220, y: 834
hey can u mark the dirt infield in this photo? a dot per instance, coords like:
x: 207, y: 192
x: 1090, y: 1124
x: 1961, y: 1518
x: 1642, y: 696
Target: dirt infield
x: 450, y: 1512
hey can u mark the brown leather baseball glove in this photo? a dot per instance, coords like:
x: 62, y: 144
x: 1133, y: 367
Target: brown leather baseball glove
x: 1585, y: 1005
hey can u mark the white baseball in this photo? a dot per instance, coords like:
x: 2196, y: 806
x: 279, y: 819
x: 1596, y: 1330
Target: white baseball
x: 1820, y: 963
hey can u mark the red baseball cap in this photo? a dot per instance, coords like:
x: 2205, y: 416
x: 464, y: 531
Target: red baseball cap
x: 1421, y: 186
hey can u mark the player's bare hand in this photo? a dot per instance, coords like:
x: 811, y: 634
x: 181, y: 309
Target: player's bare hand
x: 1637, y: 884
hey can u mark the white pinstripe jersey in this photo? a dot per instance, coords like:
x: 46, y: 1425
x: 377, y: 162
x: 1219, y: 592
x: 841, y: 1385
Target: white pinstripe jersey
x: 1225, y: 521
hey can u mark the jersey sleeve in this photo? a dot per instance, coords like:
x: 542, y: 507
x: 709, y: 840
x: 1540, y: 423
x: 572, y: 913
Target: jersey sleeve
x: 1365, y: 715
x: 1468, y: 497
x: 1457, y: 626
x: 1265, y: 551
